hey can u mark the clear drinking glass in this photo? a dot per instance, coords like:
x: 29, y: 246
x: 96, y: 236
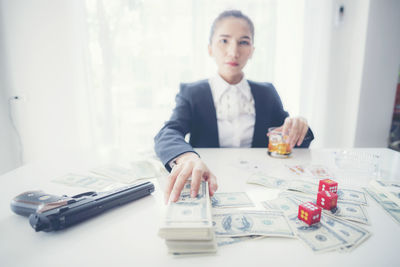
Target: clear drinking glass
x: 278, y: 146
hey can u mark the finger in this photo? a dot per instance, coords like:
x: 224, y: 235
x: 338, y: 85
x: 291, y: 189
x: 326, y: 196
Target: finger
x: 303, y: 134
x: 293, y: 133
x: 277, y: 129
x: 197, y: 174
x: 286, y: 126
x: 212, y: 184
x: 180, y: 182
x: 171, y: 181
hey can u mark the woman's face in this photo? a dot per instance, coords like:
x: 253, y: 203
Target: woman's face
x: 231, y: 47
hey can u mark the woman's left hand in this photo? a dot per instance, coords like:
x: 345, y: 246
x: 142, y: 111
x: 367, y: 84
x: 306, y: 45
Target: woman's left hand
x: 296, y: 128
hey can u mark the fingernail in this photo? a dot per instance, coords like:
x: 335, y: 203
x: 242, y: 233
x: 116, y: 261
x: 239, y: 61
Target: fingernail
x: 172, y: 197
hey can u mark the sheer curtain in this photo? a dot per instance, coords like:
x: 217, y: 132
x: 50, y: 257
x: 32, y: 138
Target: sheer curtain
x: 139, y: 51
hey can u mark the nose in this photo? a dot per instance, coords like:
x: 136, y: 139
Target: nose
x: 233, y: 50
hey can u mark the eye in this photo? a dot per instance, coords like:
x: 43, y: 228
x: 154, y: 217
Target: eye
x: 223, y: 41
x: 244, y: 42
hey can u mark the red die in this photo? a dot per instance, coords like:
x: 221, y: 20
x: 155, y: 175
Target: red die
x: 328, y: 185
x: 309, y: 213
x: 327, y: 200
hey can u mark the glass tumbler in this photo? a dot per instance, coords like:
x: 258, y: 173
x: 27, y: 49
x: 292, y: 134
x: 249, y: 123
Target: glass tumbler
x: 278, y: 147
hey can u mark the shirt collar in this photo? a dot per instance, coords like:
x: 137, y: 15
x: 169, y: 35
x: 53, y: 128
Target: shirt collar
x: 220, y: 86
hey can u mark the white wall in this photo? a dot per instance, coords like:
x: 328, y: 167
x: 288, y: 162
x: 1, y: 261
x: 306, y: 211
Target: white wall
x: 380, y: 74
x: 350, y: 69
x: 288, y: 53
x: 347, y: 44
x: 318, y: 18
x: 9, y: 156
x: 44, y: 64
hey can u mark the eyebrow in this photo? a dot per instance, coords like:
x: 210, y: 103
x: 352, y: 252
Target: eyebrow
x: 227, y: 35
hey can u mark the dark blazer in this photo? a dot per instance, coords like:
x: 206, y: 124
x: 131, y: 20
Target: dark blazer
x: 195, y: 113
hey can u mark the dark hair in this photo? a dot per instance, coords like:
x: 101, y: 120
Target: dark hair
x: 232, y: 13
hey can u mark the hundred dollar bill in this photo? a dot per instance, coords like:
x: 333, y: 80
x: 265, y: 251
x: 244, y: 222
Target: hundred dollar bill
x: 388, y: 188
x: 285, y: 204
x: 89, y: 181
x: 353, y: 234
x: 391, y: 207
x: 284, y: 184
x: 138, y: 170
x: 223, y: 241
x: 303, y: 186
x: 352, y: 195
x: 231, y: 200
x: 350, y: 211
x: 268, y: 181
x: 244, y: 223
x: 318, y: 237
x: 189, y: 218
x: 147, y: 169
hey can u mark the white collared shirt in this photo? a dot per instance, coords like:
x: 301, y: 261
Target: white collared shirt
x: 235, y: 109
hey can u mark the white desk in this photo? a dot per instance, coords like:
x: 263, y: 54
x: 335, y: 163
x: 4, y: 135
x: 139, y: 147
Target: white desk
x: 127, y: 236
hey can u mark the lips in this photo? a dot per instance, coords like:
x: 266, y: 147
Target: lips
x: 233, y: 63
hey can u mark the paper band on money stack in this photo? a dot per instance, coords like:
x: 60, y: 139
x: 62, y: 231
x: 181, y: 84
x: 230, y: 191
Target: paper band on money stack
x: 187, y: 226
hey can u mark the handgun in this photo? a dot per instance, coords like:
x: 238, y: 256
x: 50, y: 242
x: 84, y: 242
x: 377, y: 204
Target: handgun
x: 51, y: 213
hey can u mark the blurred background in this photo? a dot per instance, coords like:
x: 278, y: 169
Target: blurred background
x: 102, y: 75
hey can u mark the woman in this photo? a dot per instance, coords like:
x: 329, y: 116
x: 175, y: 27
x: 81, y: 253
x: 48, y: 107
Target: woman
x: 224, y: 111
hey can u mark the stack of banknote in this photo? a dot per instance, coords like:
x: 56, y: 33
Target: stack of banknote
x: 187, y: 226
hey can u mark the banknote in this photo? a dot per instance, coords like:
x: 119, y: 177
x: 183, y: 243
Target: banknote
x: 284, y: 184
x: 223, y: 241
x: 352, y: 233
x: 285, y: 204
x: 89, y: 181
x: 147, y: 168
x: 231, y: 200
x: 303, y: 186
x: 391, y: 207
x: 268, y: 181
x: 244, y: 223
x: 389, y: 188
x: 318, y: 237
x: 136, y: 170
x: 329, y: 234
x: 350, y: 211
x: 352, y: 195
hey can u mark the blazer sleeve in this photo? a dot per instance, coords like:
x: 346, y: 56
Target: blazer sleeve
x: 170, y: 140
x: 280, y: 115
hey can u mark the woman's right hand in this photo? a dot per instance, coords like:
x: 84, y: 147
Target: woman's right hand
x: 189, y: 165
